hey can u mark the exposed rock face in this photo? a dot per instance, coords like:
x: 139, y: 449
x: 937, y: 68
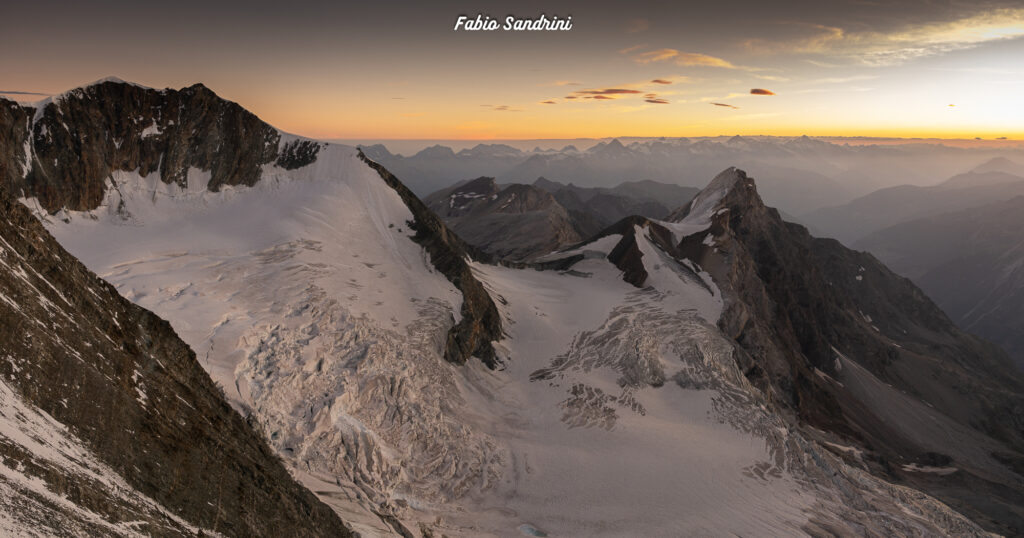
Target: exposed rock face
x: 78, y: 138
x: 480, y: 324
x: 595, y: 208
x: 521, y: 223
x: 627, y: 256
x: 116, y: 428
x: 847, y: 347
x: 518, y: 222
x: 831, y: 332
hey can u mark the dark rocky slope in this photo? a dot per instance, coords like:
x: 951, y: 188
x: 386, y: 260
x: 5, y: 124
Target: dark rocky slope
x: 517, y: 222
x: 971, y: 262
x: 856, y: 350
x: 855, y: 354
x: 118, y: 379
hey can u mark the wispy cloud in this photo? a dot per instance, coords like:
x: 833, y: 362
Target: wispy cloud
x: 502, y: 108
x: 549, y: 102
x: 843, y: 80
x: 607, y: 91
x: 646, y: 89
x: 761, y: 91
x: 898, y: 46
x: 634, y: 26
x: 725, y: 105
x: 602, y: 94
x: 685, y: 59
x: 656, y: 101
x: 19, y: 92
x: 689, y: 59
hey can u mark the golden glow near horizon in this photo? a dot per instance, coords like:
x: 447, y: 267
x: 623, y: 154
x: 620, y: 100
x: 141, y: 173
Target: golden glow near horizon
x: 642, y: 76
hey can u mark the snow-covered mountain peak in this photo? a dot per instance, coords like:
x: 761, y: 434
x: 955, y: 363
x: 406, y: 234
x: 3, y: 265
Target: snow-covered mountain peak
x: 709, y: 201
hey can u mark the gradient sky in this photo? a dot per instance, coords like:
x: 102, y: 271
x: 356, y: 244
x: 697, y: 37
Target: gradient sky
x: 379, y: 70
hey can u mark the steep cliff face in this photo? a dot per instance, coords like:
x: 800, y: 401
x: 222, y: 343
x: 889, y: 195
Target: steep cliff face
x: 63, y: 151
x: 857, y: 350
x: 109, y: 425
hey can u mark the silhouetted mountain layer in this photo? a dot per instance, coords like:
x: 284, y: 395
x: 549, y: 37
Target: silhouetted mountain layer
x: 796, y: 175
x: 992, y: 181
x: 970, y: 262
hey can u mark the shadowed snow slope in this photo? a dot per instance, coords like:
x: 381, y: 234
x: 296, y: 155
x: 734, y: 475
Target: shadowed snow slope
x: 620, y: 409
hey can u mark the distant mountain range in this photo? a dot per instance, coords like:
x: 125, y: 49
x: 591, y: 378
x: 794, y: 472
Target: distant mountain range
x: 971, y: 262
x: 996, y: 179
x: 796, y: 175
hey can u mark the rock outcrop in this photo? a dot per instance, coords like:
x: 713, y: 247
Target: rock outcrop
x: 481, y: 323
x: 856, y: 350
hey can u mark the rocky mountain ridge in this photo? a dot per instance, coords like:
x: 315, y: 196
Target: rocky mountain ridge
x: 71, y: 143
x: 64, y: 153
x: 828, y: 332
x: 521, y: 222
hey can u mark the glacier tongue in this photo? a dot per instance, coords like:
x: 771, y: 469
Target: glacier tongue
x: 620, y: 410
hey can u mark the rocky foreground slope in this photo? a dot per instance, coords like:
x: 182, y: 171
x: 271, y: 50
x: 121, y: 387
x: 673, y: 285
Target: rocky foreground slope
x: 109, y: 425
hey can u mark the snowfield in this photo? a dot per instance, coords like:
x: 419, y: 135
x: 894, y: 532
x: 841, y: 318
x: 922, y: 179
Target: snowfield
x: 620, y: 411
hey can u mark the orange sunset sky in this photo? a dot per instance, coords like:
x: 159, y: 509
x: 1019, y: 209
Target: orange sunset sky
x: 393, y: 70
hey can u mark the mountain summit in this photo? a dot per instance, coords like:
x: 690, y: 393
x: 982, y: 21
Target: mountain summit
x: 848, y: 346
